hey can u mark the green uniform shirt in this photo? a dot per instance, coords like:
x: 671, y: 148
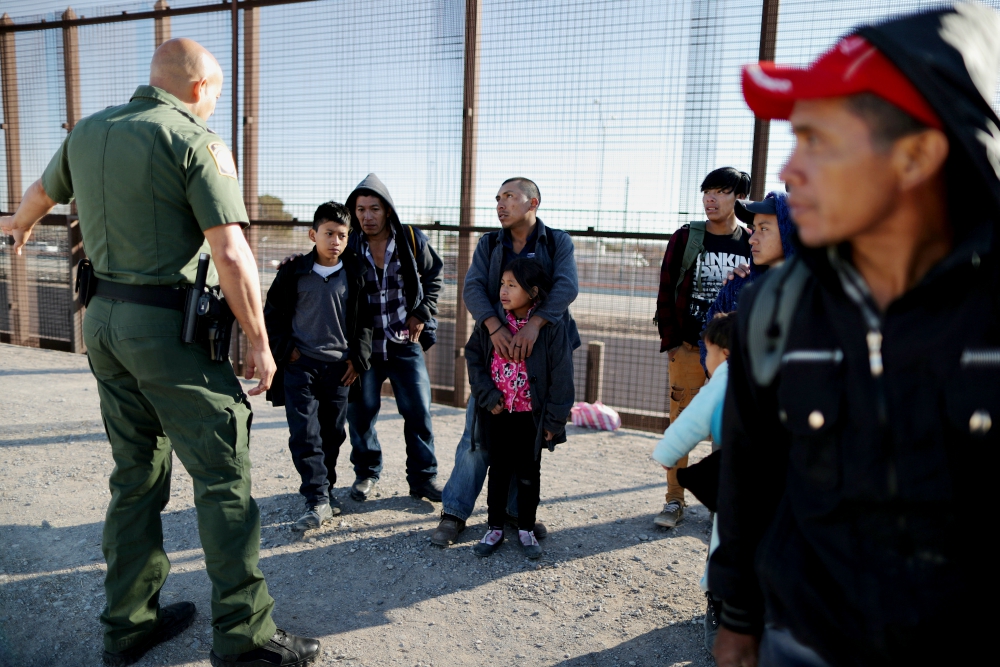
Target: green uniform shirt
x: 148, y: 177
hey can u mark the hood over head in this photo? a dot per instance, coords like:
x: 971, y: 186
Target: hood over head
x: 786, y: 227
x: 371, y: 185
x: 949, y: 58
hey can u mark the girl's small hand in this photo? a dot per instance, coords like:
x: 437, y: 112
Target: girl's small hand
x: 549, y: 435
x: 498, y: 409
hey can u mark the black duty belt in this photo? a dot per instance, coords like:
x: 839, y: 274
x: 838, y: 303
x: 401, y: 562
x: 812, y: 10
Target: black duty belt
x: 161, y: 296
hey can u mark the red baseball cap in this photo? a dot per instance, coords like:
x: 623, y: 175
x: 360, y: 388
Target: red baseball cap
x: 852, y: 66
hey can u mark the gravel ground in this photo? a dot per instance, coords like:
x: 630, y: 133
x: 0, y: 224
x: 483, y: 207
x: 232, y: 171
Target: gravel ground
x: 611, y: 589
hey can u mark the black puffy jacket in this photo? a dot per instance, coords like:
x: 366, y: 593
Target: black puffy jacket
x: 279, y: 310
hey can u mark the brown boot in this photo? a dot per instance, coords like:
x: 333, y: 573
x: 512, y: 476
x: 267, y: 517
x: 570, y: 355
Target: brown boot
x: 447, y: 531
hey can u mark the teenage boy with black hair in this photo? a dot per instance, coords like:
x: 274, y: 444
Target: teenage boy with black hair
x: 320, y: 331
x: 698, y: 257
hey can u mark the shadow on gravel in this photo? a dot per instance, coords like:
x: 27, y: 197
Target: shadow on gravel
x: 673, y: 645
x: 362, y: 574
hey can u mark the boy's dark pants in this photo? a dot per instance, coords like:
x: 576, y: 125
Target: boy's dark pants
x: 512, y: 452
x: 316, y: 408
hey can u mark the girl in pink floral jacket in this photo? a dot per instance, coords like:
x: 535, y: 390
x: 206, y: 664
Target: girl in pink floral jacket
x: 522, y: 404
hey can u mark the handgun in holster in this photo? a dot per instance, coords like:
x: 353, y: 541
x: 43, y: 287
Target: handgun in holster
x: 85, y: 283
x: 207, y: 317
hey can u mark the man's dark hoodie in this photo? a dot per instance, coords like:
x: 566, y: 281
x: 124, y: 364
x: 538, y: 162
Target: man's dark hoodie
x: 279, y: 311
x: 854, y: 498
x: 420, y: 264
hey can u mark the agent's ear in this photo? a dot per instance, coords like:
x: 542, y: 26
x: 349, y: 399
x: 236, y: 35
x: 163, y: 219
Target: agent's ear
x: 725, y: 352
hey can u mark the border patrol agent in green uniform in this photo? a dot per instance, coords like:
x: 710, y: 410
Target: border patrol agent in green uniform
x: 151, y: 182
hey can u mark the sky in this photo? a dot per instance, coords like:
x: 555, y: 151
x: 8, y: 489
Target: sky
x: 616, y: 109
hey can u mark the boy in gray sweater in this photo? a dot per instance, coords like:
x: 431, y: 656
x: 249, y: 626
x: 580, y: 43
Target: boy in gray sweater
x: 320, y: 334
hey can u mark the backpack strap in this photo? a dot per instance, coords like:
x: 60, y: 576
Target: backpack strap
x: 695, y: 247
x: 771, y: 316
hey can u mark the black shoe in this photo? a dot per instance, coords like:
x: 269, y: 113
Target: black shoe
x: 362, y: 488
x: 427, y: 489
x: 335, y: 506
x: 484, y: 547
x: 447, y: 531
x: 282, y: 649
x: 711, y: 622
x: 540, y: 531
x: 174, y: 619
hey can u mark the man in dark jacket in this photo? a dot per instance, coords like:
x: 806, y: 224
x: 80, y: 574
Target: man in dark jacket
x: 522, y: 234
x: 697, y: 259
x: 858, y: 424
x: 403, y: 281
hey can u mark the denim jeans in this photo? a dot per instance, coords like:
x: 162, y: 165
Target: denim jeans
x: 467, y: 477
x: 316, y: 409
x: 780, y: 648
x: 411, y: 385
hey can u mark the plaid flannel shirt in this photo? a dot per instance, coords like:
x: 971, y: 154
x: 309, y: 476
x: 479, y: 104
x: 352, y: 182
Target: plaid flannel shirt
x: 388, y: 305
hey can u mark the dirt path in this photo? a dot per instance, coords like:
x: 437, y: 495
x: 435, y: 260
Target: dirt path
x: 611, y: 589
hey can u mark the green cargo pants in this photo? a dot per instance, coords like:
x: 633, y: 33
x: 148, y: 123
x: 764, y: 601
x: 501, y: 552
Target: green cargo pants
x: 156, y: 394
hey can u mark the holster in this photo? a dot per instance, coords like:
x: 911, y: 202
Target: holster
x: 85, y: 282
x: 215, y: 323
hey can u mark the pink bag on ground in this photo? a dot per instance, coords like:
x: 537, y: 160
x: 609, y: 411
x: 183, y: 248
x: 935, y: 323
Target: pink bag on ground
x: 595, y: 415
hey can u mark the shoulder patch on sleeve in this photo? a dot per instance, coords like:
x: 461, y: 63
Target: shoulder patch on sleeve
x: 223, y: 158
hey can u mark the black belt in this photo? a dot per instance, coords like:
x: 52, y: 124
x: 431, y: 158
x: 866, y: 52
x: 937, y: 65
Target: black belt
x: 161, y: 296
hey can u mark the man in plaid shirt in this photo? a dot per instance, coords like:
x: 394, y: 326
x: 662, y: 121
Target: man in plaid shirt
x: 403, y: 282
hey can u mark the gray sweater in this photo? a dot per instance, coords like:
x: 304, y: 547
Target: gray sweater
x: 320, y: 321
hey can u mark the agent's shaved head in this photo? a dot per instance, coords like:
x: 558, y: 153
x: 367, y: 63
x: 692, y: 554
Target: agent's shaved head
x: 188, y: 71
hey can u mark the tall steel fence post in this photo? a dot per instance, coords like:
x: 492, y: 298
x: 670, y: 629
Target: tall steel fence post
x: 251, y: 99
x: 238, y: 345
x: 18, y: 303
x: 251, y: 106
x: 467, y: 210
x: 71, y: 76
x: 762, y: 128
x: 161, y: 24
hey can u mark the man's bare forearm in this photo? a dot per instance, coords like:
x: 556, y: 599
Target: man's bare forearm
x: 238, y: 280
x: 34, y: 206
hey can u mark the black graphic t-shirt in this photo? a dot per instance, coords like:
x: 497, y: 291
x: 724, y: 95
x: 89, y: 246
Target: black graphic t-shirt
x: 721, y: 255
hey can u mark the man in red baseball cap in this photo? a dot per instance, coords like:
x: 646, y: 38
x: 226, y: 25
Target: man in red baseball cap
x: 863, y: 376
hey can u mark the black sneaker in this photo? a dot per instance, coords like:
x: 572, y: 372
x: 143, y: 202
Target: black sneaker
x: 490, y: 543
x: 671, y: 515
x: 315, y: 516
x: 540, y: 531
x: 427, y: 489
x: 362, y: 488
x: 174, y: 619
x: 529, y: 544
x: 711, y: 622
x: 282, y: 649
